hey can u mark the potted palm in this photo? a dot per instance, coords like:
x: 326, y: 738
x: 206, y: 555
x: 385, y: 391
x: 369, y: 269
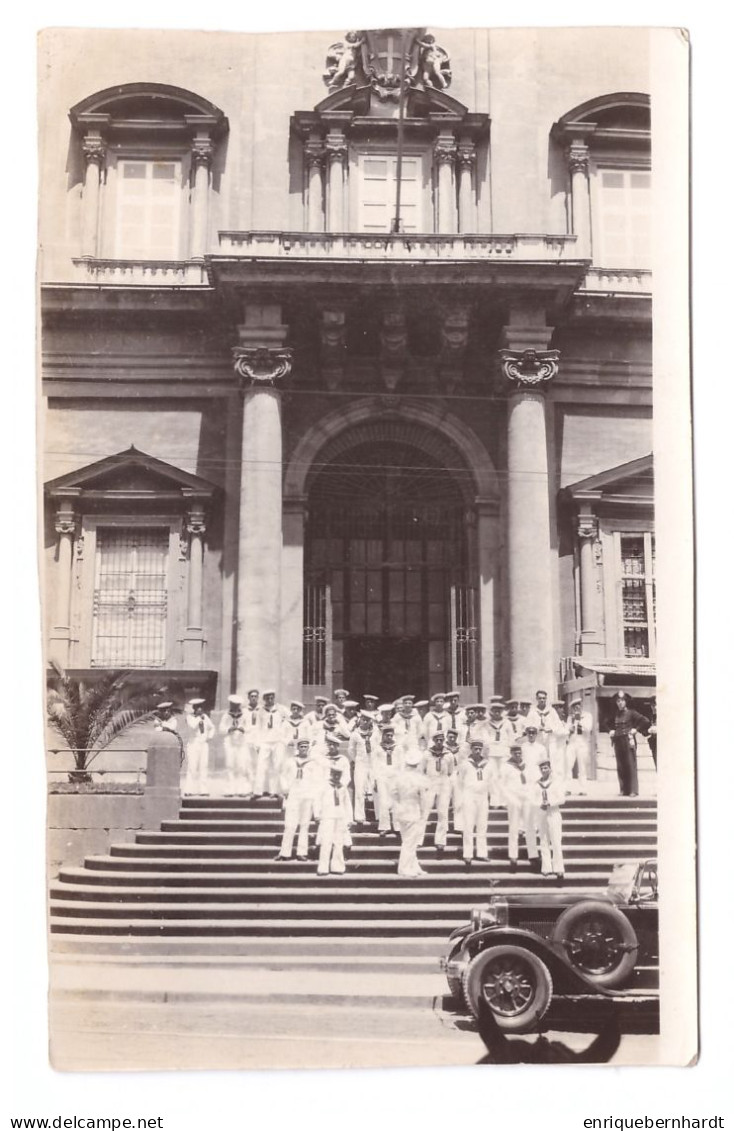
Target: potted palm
x: 89, y: 716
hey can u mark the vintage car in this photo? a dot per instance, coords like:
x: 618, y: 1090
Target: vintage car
x: 517, y: 954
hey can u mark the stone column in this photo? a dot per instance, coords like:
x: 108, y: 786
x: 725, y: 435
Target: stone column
x: 94, y: 150
x: 466, y: 160
x: 588, y: 533
x: 577, y: 156
x: 315, y: 156
x: 528, y: 533
x: 60, y: 635
x: 487, y: 539
x: 291, y: 635
x: 202, y: 152
x: 444, y: 153
x: 336, y: 158
x: 195, y: 528
x: 260, y: 367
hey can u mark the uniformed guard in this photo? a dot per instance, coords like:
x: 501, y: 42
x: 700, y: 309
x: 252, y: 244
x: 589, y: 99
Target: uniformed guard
x: 335, y: 815
x: 303, y: 781
x: 339, y: 699
x: 387, y: 761
x: 165, y: 719
x: 624, y: 742
x: 238, y: 767
x: 516, y: 790
x: 440, y: 770
x: 547, y: 795
x: 579, y: 732
x: 475, y: 780
x: 361, y: 743
x: 197, y: 748
x: 408, y: 800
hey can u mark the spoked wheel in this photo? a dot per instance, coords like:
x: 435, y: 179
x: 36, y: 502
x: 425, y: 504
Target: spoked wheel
x: 513, y: 982
x: 599, y: 941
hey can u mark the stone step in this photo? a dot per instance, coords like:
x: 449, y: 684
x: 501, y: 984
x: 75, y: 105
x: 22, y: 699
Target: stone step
x: 70, y: 878
x: 263, y: 803
x: 496, y: 824
x: 260, y: 842
x: 308, y: 889
x: 600, y: 863
x: 256, y: 948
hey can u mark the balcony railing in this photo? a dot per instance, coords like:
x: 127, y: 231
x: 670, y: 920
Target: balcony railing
x: 141, y: 272
x: 620, y: 281
x: 398, y: 248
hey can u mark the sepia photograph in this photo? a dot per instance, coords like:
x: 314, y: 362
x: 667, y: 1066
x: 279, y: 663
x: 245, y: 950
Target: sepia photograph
x: 353, y: 402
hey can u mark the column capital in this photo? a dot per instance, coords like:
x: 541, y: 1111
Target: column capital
x: 202, y: 151
x: 336, y: 148
x: 577, y: 157
x: 94, y: 149
x: 314, y: 153
x: 445, y: 150
x: 587, y: 526
x: 466, y: 155
x: 65, y: 519
x: 529, y: 370
x: 195, y: 522
x: 259, y: 366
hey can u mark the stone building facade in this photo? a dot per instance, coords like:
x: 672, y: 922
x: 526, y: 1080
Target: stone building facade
x: 347, y: 360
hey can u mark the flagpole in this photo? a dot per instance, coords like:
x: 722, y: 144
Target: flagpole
x: 401, y: 115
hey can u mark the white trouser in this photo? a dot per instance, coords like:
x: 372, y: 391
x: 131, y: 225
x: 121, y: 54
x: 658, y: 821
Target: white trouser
x: 578, y: 753
x: 239, y: 765
x: 496, y: 795
x: 411, y: 832
x: 518, y: 819
x: 362, y: 786
x: 476, y: 815
x: 298, y: 812
x: 197, y: 764
x: 550, y: 830
x: 385, y: 815
x: 457, y: 801
x: 269, y: 765
x: 331, y: 854
x: 438, y: 794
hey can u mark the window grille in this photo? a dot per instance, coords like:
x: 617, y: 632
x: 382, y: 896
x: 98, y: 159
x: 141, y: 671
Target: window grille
x: 637, y: 552
x: 130, y: 598
x: 464, y: 633
x: 315, y: 607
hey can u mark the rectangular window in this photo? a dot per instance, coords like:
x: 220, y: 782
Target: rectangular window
x: 623, y: 218
x: 637, y: 584
x: 148, y: 211
x: 130, y: 597
x: 377, y: 176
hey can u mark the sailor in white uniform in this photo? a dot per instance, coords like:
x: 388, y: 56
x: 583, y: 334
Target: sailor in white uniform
x: 436, y: 719
x: 499, y: 740
x: 239, y: 767
x: 516, y: 790
x: 547, y: 795
x: 387, y: 761
x: 271, y: 751
x: 197, y: 748
x: 165, y: 719
x: 334, y: 810
x: 579, y: 731
x: 475, y: 781
x: 408, y: 799
x: 303, y: 781
x: 440, y: 770
x: 359, y: 752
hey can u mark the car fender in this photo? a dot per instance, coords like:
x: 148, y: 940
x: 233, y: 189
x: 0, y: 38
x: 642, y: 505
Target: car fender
x: 566, y: 979
x: 459, y: 932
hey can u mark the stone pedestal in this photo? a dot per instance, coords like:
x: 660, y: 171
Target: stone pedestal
x: 162, y: 797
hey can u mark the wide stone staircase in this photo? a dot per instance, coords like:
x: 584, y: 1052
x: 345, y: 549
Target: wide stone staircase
x: 207, y: 884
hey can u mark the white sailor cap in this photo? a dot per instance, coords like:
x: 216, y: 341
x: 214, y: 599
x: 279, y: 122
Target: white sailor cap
x: 197, y: 702
x: 270, y: 691
x: 476, y: 744
x: 297, y: 703
x: 438, y: 695
x: 453, y: 695
x: 371, y: 698
x: 340, y: 691
x: 413, y: 758
x: 253, y: 691
x: 235, y: 700
x: 164, y: 705
x: 421, y: 703
x: 320, y: 699
x: 351, y: 703
x: 385, y: 707
x: 388, y: 729
x: 331, y: 741
x: 575, y: 701
x: 306, y: 742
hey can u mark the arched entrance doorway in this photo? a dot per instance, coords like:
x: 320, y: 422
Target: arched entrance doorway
x: 390, y: 586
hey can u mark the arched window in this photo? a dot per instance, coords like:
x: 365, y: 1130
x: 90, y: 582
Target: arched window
x: 607, y: 147
x: 148, y: 150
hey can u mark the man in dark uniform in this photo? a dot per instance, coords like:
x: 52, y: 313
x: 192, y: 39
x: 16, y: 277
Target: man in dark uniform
x: 624, y: 742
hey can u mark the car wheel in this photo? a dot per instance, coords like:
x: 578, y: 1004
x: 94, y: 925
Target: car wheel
x: 600, y: 942
x: 513, y: 982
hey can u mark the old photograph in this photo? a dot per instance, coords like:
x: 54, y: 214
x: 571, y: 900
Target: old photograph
x: 349, y: 427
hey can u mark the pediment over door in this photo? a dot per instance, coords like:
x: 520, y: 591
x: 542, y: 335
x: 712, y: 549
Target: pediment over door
x: 129, y: 477
x: 631, y: 484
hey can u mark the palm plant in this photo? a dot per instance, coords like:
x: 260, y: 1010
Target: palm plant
x: 89, y: 717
